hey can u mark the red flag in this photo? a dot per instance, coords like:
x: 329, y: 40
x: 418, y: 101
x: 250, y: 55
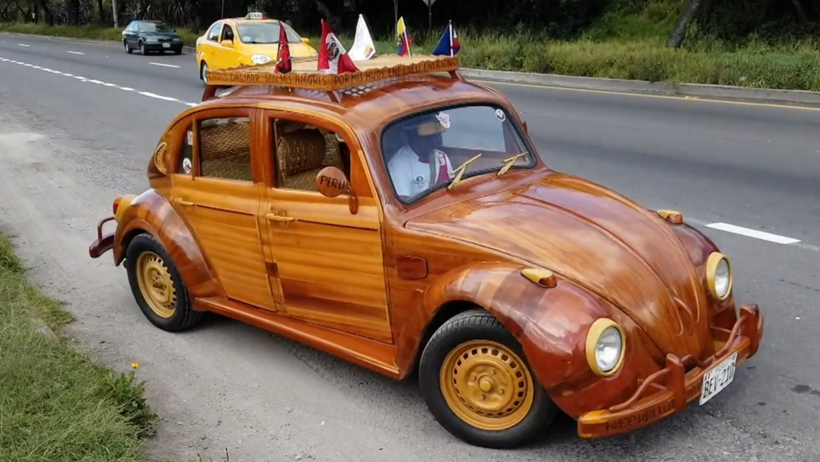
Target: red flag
x: 283, y: 62
x: 333, y: 58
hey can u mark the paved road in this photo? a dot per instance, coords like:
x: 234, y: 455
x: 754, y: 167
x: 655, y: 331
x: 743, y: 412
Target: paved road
x: 78, y: 122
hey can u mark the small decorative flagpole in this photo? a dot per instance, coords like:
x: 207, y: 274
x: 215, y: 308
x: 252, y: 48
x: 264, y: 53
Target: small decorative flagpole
x: 450, y: 25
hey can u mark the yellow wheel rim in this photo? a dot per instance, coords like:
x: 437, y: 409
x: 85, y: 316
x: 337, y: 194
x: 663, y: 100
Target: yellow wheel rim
x: 487, y: 385
x: 156, y: 284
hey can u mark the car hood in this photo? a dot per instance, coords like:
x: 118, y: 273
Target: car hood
x: 297, y: 50
x: 597, y: 239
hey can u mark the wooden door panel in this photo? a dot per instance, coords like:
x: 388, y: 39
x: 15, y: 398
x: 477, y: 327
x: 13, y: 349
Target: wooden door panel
x: 224, y: 218
x: 332, y: 275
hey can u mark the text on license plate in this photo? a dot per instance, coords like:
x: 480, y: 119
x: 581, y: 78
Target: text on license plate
x: 166, y: 45
x: 717, y: 378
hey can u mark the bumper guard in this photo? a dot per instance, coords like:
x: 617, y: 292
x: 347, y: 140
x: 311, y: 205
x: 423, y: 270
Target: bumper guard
x: 671, y: 389
x: 102, y: 244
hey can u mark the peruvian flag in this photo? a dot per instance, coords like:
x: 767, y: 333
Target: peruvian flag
x: 283, y: 62
x: 333, y: 58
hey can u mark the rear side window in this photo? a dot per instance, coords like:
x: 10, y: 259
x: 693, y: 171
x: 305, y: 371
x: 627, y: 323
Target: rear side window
x: 225, y: 148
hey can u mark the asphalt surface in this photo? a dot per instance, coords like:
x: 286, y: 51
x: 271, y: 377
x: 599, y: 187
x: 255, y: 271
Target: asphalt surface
x: 69, y: 143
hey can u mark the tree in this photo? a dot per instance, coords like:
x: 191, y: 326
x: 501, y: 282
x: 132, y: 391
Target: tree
x: 678, y: 35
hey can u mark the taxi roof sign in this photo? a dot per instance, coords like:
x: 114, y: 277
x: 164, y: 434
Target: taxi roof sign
x: 256, y: 15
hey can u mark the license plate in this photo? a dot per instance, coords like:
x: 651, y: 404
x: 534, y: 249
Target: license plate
x: 166, y: 45
x: 717, y: 378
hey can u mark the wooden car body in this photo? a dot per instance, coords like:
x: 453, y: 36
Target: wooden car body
x: 369, y: 278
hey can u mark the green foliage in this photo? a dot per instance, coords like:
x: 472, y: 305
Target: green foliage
x: 56, y: 404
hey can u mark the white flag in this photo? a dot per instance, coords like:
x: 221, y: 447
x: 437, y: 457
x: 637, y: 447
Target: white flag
x: 363, y: 47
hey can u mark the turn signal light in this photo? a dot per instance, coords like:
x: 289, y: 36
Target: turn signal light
x: 672, y: 216
x: 121, y: 204
x: 540, y: 276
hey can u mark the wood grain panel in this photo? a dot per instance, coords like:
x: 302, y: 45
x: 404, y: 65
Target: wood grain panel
x: 331, y: 274
x: 226, y: 226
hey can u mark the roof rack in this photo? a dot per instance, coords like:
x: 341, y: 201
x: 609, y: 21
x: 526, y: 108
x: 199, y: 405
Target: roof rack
x: 304, y: 75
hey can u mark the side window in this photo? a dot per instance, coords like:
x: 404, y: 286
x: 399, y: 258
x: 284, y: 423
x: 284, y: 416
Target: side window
x: 302, y: 151
x: 228, y: 33
x: 213, y: 35
x: 225, y: 148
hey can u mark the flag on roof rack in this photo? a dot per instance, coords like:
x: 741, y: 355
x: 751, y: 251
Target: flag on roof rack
x: 333, y: 58
x: 449, y: 44
x: 363, y: 47
x: 403, y: 39
x: 283, y: 61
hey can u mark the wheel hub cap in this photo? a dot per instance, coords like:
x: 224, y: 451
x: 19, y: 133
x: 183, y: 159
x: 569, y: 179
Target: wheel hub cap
x: 487, y: 385
x: 156, y: 284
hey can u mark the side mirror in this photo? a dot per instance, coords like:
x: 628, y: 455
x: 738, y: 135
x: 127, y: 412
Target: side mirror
x: 305, y: 40
x: 331, y: 182
x: 524, y: 126
x: 227, y: 43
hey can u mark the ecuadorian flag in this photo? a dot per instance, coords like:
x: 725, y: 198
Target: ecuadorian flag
x: 402, y: 38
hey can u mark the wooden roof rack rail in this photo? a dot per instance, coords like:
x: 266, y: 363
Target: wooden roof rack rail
x: 305, y: 76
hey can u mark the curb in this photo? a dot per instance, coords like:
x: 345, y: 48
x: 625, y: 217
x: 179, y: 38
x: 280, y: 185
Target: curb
x: 695, y: 90
x: 645, y: 87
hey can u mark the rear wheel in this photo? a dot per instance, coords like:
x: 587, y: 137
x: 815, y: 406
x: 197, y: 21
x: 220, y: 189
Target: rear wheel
x: 478, y: 385
x: 157, y: 285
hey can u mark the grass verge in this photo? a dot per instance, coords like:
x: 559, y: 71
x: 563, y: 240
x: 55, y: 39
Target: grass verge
x: 56, y: 404
x: 623, y: 46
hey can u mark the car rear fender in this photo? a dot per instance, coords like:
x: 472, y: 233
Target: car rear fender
x: 151, y: 213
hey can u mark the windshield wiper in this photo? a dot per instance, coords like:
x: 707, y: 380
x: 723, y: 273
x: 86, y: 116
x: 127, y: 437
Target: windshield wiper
x: 460, y: 172
x: 508, y: 162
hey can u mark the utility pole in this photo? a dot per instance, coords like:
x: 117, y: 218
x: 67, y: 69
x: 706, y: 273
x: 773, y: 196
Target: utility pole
x: 114, y: 8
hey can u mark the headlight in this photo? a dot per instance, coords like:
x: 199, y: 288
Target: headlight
x: 605, y: 347
x: 719, y: 276
x: 261, y: 59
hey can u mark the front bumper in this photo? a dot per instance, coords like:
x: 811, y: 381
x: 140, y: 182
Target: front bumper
x: 158, y: 46
x: 102, y: 244
x: 671, y: 389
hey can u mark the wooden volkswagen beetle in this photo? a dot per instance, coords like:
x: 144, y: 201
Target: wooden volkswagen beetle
x: 400, y: 218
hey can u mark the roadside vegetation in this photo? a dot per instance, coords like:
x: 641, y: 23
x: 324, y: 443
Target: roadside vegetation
x: 751, y: 43
x: 56, y: 404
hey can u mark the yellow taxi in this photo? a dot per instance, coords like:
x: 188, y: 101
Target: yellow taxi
x: 254, y: 39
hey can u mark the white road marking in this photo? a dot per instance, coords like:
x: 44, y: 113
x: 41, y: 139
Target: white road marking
x: 23, y: 45
x: 99, y: 82
x: 164, y: 65
x: 753, y: 233
x: 75, y: 52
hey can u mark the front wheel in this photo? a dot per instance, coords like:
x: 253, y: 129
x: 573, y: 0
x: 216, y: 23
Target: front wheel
x: 478, y: 385
x: 157, y: 285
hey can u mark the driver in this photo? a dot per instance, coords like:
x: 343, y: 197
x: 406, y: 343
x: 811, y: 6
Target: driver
x: 418, y: 164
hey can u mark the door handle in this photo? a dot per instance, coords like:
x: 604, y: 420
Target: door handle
x: 275, y: 217
x: 182, y: 202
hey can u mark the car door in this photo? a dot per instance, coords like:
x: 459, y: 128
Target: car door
x: 327, y: 260
x: 130, y: 34
x: 207, y: 50
x: 219, y: 192
x: 228, y: 55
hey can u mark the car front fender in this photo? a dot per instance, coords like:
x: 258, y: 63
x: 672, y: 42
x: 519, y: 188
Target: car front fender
x: 151, y: 213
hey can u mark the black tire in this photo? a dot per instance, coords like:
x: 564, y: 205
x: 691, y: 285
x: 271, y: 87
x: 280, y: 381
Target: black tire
x: 143, y: 51
x: 127, y: 47
x: 178, y: 52
x: 184, y: 316
x: 465, y: 327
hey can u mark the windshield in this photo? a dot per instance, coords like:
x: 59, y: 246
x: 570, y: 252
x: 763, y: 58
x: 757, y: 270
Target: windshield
x: 423, y: 152
x: 154, y: 27
x: 264, y: 33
